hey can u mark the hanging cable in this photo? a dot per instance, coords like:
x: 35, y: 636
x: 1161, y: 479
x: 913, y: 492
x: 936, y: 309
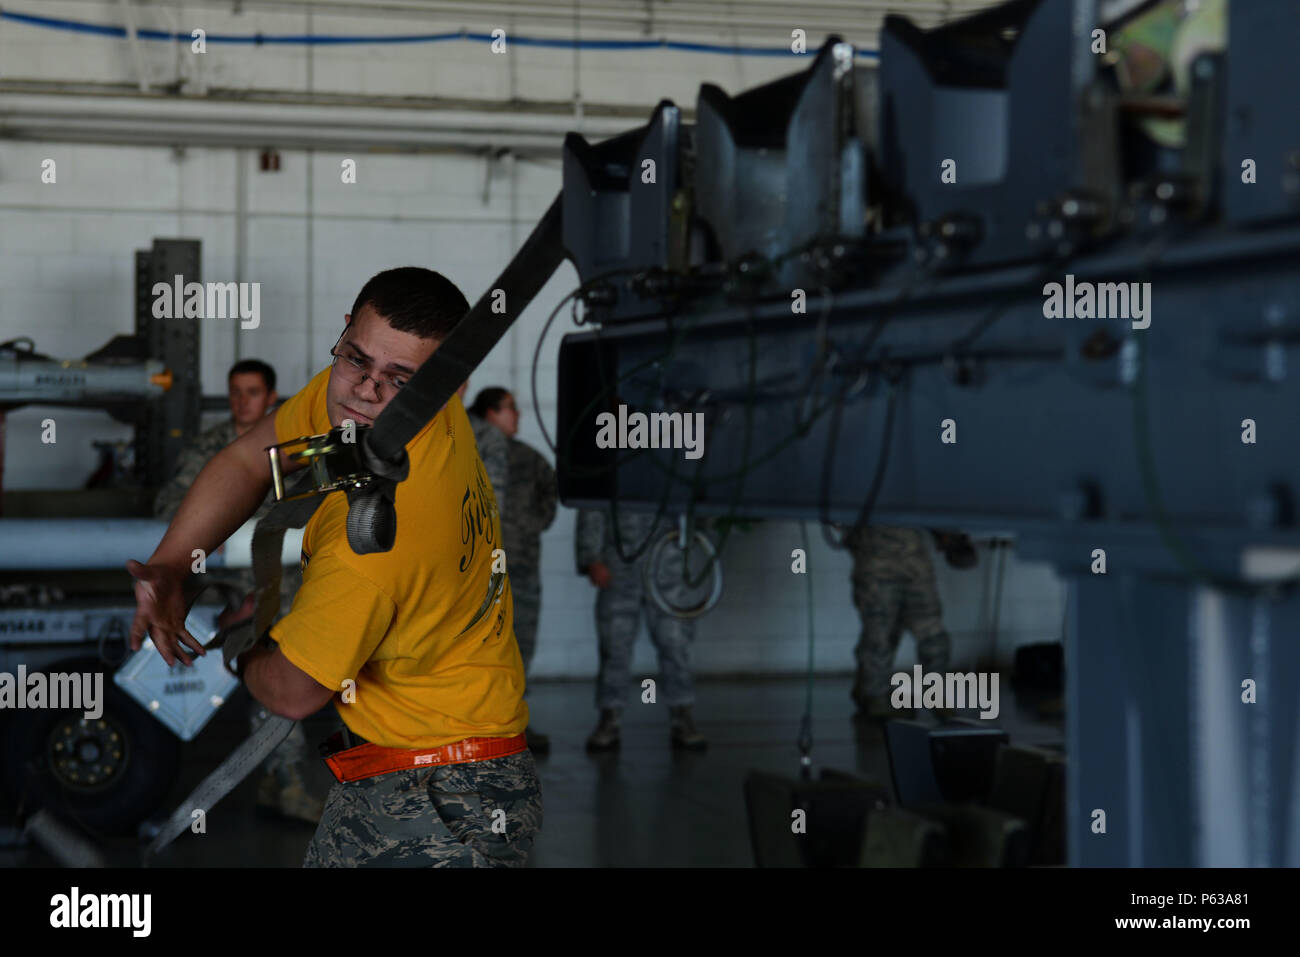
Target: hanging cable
x: 805, y: 724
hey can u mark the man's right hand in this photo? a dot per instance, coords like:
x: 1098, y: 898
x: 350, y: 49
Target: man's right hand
x: 599, y: 574
x: 160, y: 610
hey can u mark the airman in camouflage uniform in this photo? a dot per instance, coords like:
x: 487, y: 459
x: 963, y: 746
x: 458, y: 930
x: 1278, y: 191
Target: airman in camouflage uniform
x: 495, y: 454
x: 524, y: 484
x: 282, y: 788
x: 533, y: 498
x: 894, y: 589
x: 619, y: 605
x: 190, y: 463
x: 433, y: 817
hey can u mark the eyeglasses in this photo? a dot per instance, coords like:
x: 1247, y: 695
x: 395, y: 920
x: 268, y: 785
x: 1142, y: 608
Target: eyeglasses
x: 355, y: 369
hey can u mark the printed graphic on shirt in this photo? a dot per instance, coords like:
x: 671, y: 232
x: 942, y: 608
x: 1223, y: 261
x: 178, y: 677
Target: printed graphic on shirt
x: 479, y: 520
x: 477, y: 512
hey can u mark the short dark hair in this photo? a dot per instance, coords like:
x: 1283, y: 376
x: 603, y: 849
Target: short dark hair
x: 415, y: 300
x: 488, y: 400
x: 254, y: 365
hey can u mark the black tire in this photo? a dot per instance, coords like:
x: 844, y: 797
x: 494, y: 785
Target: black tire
x: 124, y: 763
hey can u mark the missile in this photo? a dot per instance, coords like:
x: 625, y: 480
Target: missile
x: 106, y: 375
x: 47, y: 544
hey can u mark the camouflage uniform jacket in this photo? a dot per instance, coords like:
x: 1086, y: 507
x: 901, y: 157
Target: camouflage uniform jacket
x: 884, y: 551
x: 492, y: 449
x: 533, y: 497
x: 190, y: 463
x: 593, y: 539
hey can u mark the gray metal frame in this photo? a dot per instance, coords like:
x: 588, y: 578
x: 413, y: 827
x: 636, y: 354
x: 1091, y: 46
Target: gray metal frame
x: 164, y: 427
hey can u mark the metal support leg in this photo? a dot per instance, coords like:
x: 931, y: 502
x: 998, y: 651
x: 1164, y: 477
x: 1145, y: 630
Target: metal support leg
x: 1248, y: 807
x: 1159, y: 737
x: 1128, y: 734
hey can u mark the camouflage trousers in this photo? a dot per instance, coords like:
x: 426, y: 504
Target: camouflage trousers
x: 527, y: 591
x: 888, y: 606
x: 481, y: 814
x: 618, y: 619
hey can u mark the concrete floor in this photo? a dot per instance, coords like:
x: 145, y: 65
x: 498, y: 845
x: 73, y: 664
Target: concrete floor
x: 643, y: 806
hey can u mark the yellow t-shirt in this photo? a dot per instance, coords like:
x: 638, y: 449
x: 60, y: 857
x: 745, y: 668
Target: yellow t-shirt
x: 395, y: 621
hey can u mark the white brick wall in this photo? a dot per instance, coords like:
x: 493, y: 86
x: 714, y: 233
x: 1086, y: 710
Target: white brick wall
x: 453, y: 69
x: 760, y: 624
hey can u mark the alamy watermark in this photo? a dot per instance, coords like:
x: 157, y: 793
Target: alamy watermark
x: 55, y: 691
x: 1103, y: 300
x: 77, y: 910
x: 213, y: 300
x: 949, y: 691
x: 658, y: 430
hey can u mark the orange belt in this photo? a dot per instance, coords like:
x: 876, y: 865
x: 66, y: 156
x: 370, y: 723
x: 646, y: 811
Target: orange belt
x: 368, y: 760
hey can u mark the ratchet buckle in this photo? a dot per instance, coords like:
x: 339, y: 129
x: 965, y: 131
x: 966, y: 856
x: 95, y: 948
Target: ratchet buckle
x: 334, y: 458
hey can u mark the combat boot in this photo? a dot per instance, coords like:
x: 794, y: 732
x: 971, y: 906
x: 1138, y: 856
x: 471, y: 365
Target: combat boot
x: 861, y: 697
x: 606, y: 735
x: 684, y: 734
x: 880, y: 708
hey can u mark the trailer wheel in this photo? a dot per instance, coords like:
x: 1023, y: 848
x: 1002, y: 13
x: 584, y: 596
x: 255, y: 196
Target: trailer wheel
x: 107, y: 773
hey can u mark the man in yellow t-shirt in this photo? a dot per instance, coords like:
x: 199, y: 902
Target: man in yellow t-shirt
x: 414, y: 645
